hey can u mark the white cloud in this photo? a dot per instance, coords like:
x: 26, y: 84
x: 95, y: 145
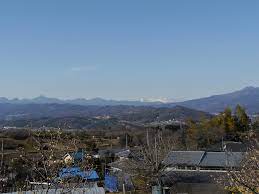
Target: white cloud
x: 76, y: 69
x: 163, y: 100
x: 83, y: 68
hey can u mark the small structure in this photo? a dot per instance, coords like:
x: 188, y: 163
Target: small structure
x: 68, y: 159
x: 112, y: 155
x: 122, y: 154
x: 78, y: 156
x: 74, y: 157
x: 111, y: 183
x: 234, y: 147
x: 116, y: 172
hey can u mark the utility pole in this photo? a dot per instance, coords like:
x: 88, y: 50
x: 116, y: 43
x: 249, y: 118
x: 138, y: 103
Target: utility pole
x: 147, y: 138
x: 123, y: 188
x: 222, y: 143
x: 156, y: 154
x: 111, y: 141
x: 126, y: 141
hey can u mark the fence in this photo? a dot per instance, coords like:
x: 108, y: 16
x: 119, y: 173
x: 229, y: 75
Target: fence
x: 93, y: 190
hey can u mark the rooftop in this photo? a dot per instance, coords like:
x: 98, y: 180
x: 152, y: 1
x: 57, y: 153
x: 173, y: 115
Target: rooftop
x: 221, y: 159
x: 187, y: 158
x: 204, y: 159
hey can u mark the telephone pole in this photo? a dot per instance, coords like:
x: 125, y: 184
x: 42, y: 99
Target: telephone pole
x: 156, y: 154
x: 147, y: 138
x: 126, y: 141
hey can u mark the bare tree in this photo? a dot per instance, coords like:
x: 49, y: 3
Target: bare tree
x: 148, y: 162
x: 246, y: 178
x: 46, y: 163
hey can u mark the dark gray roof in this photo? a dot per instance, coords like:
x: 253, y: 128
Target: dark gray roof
x: 222, y: 159
x: 187, y: 158
x: 204, y: 159
x: 112, y: 151
x: 235, y: 147
x: 123, y: 153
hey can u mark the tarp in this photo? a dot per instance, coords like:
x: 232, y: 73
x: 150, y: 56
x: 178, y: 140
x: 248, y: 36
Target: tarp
x: 77, y: 172
x: 111, y: 183
x: 92, y: 175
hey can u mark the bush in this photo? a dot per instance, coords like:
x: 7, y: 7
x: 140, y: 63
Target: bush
x: 18, y: 134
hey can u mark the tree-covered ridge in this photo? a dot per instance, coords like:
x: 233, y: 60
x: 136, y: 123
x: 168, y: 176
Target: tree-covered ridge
x: 129, y: 113
x: 228, y: 125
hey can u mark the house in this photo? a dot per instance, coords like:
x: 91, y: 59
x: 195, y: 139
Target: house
x: 116, y: 152
x: 197, y: 160
x: 194, y: 171
x: 111, y: 183
x: 234, y: 147
x: 122, y: 154
x: 68, y: 159
x: 74, y: 157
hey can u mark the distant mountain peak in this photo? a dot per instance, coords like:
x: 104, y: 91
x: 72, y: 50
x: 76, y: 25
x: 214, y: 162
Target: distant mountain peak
x: 161, y: 100
x: 40, y: 97
x: 249, y: 88
x: 247, y: 97
x: 98, y: 98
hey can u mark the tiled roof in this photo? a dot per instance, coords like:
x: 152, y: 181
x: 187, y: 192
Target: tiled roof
x: 187, y: 158
x: 221, y: 159
x: 204, y: 159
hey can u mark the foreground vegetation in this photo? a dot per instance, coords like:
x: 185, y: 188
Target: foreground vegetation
x: 36, y: 155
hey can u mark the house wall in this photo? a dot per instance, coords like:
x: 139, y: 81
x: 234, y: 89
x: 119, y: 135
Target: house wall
x: 198, y: 188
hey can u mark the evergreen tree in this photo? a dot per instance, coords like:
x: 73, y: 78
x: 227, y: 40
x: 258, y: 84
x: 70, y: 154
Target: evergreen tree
x: 242, y: 119
x: 228, y: 121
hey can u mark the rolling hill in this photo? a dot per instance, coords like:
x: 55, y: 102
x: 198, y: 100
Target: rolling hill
x: 128, y: 113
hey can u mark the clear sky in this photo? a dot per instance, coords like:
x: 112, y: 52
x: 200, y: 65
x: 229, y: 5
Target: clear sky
x: 179, y: 49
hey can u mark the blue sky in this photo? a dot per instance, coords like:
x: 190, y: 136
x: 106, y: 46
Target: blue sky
x: 179, y: 49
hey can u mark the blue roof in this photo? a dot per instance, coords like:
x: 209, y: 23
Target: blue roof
x: 77, y: 172
x: 111, y: 183
x: 92, y: 175
x: 78, y: 155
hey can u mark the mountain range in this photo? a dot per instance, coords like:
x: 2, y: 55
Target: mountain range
x: 80, y: 101
x: 247, y: 97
